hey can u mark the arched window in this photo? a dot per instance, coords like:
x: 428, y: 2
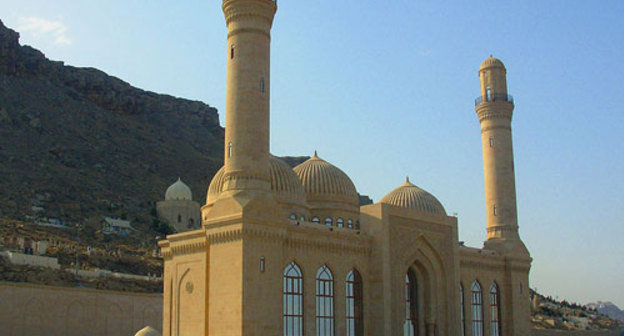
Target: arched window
x: 191, y: 223
x: 293, y: 300
x: 355, y: 321
x: 410, y: 327
x: 232, y: 52
x: 324, y: 302
x: 262, y: 84
x: 477, y: 309
x: 293, y: 216
x: 495, y: 310
x: 340, y: 222
x: 328, y: 221
x: 179, y: 218
x: 230, y: 149
x: 488, y: 94
x: 463, y: 309
x: 350, y: 223
x: 316, y: 220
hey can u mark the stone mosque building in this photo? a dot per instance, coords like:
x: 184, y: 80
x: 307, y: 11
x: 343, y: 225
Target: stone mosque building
x: 286, y: 251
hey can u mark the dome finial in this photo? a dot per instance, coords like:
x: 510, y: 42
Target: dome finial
x: 407, y: 179
x: 315, y: 154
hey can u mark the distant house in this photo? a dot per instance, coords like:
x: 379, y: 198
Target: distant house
x: 116, y: 226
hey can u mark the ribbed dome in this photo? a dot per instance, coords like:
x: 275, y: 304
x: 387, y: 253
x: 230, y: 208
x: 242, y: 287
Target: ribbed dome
x: 284, y: 183
x: 410, y: 196
x: 147, y: 331
x: 178, y: 191
x: 492, y: 62
x: 216, y: 185
x: 321, y: 179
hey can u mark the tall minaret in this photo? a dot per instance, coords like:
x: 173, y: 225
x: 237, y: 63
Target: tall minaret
x: 247, y: 94
x: 495, y: 108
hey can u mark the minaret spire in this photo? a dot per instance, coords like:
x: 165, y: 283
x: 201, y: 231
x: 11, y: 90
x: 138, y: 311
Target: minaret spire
x: 495, y: 109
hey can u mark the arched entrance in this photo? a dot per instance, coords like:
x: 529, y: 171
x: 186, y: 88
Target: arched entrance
x: 424, y: 298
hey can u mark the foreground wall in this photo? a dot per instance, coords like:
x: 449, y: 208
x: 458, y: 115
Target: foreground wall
x: 547, y: 332
x: 35, y: 310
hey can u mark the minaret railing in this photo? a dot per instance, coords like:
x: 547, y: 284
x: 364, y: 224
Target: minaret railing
x: 497, y: 97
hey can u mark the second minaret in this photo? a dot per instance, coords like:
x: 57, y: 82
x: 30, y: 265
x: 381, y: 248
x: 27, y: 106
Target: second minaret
x: 495, y: 109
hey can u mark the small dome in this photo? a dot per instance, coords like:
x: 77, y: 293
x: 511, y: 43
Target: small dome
x: 284, y: 183
x: 323, y: 181
x: 178, y: 191
x: 491, y: 62
x: 147, y: 331
x: 410, y: 196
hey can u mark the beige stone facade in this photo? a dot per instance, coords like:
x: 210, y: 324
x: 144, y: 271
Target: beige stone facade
x: 35, y: 310
x: 290, y: 252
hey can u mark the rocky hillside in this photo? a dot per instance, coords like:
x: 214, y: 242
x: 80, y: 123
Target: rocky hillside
x: 548, y: 313
x: 76, y: 141
x: 609, y: 309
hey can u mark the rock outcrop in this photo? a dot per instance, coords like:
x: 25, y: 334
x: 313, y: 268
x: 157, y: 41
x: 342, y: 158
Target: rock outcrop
x: 77, y: 141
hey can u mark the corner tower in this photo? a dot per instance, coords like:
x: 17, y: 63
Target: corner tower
x: 495, y: 109
x: 248, y: 94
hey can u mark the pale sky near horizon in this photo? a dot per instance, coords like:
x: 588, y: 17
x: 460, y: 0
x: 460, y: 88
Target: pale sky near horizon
x: 385, y: 89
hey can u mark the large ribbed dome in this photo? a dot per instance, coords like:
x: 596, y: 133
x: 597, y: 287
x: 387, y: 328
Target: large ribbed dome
x: 178, y: 191
x: 284, y: 183
x: 410, y: 196
x: 322, y: 180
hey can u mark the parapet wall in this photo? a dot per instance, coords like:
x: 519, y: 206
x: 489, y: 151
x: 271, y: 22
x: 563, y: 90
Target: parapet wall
x: 35, y: 310
x: 550, y: 332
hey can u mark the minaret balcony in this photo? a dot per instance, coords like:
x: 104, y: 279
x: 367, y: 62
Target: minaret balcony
x: 497, y: 97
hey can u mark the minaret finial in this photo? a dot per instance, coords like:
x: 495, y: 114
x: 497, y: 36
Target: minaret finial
x: 407, y: 179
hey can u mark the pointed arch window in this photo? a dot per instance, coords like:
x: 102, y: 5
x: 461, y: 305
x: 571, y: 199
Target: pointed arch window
x: 316, y: 220
x: 293, y: 300
x: 328, y: 221
x: 495, y: 325
x: 340, y: 222
x: 354, y: 312
x: 410, y: 327
x: 463, y: 309
x: 324, y: 302
x: 477, y: 309
x: 350, y: 223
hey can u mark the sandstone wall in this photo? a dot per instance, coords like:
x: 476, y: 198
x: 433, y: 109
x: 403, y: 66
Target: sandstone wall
x: 35, y: 310
x: 546, y: 332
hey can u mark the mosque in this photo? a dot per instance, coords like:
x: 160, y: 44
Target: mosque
x: 291, y: 252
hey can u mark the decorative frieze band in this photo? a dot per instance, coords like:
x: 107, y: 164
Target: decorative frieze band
x: 489, y: 114
x: 249, y: 30
x: 358, y: 246
x: 490, y: 128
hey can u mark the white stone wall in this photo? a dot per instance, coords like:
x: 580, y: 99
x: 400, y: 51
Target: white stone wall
x: 31, y: 260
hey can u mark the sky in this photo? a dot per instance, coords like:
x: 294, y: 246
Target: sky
x: 385, y: 89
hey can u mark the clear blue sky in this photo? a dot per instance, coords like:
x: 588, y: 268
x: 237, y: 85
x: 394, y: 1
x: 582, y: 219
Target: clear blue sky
x: 385, y: 89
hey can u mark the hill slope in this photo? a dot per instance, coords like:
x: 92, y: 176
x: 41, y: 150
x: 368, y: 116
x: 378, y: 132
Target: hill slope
x: 77, y: 141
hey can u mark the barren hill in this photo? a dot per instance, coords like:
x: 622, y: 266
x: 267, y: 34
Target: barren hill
x: 77, y: 141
